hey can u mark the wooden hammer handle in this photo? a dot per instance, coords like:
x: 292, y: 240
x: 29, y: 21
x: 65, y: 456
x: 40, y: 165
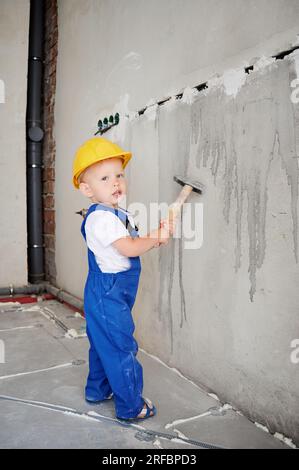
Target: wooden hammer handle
x: 175, y: 208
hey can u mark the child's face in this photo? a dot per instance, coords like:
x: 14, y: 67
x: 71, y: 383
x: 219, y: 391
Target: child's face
x: 104, y: 182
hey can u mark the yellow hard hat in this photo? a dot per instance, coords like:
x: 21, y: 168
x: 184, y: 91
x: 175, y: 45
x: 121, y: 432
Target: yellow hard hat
x: 95, y: 150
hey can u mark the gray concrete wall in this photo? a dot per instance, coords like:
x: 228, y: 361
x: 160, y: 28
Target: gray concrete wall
x: 223, y: 314
x: 14, y: 26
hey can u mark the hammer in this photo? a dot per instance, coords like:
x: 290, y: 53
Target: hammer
x: 188, y: 187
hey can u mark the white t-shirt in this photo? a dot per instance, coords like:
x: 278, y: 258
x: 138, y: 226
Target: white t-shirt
x: 102, y: 228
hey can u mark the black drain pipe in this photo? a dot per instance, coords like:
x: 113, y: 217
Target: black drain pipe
x: 34, y: 137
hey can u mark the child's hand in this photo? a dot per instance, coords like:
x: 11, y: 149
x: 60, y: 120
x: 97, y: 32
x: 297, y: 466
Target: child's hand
x: 168, y: 224
x: 162, y: 234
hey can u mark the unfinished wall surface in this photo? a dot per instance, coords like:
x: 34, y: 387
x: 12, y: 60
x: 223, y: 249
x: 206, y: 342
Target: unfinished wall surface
x: 226, y: 314
x: 223, y: 313
x: 13, y: 84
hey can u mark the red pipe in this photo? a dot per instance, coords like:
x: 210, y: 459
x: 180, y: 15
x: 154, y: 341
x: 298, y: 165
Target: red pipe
x: 30, y: 299
x: 27, y: 299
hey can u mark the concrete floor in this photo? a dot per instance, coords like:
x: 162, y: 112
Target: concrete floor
x: 42, y: 394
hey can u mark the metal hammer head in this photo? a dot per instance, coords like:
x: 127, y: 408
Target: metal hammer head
x: 196, y: 185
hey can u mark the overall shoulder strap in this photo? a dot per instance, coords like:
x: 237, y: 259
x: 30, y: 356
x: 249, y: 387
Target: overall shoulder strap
x: 125, y: 220
x: 90, y: 209
x: 119, y: 213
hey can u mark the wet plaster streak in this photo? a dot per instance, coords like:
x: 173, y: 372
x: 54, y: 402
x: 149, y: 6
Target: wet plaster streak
x: 68, y: 364
x: 239, y: 130
x: 182, y: 291
x: 166, y: 282
x: 18, y: 328
x: 220, y: 410
x: 173, y: 253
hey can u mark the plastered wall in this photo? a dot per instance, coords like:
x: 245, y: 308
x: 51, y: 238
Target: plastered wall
x: 13, y: 89
x: 225, y: 313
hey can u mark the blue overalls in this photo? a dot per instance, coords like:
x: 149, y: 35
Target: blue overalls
x: 108, y: 301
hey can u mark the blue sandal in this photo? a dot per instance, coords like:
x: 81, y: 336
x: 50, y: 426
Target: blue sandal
x: 149, y: 407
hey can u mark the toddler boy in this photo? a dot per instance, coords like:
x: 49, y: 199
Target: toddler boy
x: 114, y: 247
